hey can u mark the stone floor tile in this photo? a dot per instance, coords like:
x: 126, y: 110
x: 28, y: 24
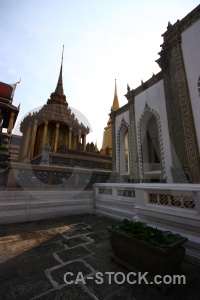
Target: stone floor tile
x: 80, y: 240
x: 24, y: 288
x: 73, y: 253
x: 70, y: 292
x: 78, y: 225
x: 76, y: 232
x: 49, y: 248
x: 75, y: 267
x: 37, y: 264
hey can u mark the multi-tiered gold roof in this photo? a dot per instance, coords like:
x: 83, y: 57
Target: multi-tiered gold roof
x: 53, y: 123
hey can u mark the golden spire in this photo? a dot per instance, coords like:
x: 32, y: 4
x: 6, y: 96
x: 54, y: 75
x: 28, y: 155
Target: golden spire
x: 115, y: 105
x: 107, y: 135
x: 59, y: 87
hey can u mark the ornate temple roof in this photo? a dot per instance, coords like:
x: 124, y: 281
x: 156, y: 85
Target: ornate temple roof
x: 6, y: 99
x: 7, y: 91
x: 56, y: 110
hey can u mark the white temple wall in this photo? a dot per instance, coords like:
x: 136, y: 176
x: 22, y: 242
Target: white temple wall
x: 154, y: 97
x: 191, y: 56
x: 118, y: 123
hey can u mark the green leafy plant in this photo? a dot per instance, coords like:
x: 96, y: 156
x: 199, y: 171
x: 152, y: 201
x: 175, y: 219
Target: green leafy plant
x: 146, y: 233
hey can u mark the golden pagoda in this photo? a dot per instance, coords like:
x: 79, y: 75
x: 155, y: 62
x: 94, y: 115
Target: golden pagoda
x: 54, y: 124
x: 107, y: 135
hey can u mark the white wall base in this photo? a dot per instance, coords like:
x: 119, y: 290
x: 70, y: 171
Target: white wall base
x: 21, y: 206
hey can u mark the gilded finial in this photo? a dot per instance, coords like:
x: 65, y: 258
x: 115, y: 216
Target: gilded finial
x: 62, y: 53
x: 59, y: 87
x: 115, y: 105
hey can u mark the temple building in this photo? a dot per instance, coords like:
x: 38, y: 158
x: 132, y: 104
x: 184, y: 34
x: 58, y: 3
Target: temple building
x: 161, y: 119
x: 107, y: 135
x: 54, y: 124
x: 14, y: 145
x: 8, y: 116
x: 8, y: 111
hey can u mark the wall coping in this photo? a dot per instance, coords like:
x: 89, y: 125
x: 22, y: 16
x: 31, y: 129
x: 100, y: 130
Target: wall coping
x: 153, y: 186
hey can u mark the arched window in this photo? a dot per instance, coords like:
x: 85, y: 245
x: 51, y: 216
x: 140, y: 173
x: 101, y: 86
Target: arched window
x: 152, y: 143
x: 151, y: 166
x: 123, y: 151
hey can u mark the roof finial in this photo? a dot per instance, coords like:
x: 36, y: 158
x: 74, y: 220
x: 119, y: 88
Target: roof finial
x: 115, y: 88
x: 62, y: 56
x: 59, y: 87
x: 115, y: 105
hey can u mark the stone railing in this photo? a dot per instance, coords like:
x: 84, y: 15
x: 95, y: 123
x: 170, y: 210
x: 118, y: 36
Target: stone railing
x: 36, y: 160
x: 183, y: 198
x: 27, y: 176
x: 174, y: 207
x: 182, y: 201
x: 73, y: 159
x: 114, y: 200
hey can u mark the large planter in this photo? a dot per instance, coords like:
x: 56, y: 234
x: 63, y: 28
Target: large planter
x: 145, y: 256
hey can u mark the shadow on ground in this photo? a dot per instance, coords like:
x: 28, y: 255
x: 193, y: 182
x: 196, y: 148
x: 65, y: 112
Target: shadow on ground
x: 35, y: 256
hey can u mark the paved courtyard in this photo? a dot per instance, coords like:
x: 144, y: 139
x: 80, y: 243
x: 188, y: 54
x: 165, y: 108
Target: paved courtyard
x: 35, y: 256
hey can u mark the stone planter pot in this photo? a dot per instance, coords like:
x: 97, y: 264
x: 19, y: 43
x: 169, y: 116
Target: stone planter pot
x: 145, y: 256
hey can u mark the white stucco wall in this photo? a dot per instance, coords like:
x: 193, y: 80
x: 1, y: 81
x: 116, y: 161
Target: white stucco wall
x: 154, y: 97
x: 118, y: 122
x: 191, y: 56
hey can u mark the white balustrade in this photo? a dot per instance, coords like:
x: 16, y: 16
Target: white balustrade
x: 174, y: 207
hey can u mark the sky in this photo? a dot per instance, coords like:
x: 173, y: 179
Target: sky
x: 103, y: 40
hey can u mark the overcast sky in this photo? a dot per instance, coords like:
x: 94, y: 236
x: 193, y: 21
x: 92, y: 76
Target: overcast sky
x: 104, y: 40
